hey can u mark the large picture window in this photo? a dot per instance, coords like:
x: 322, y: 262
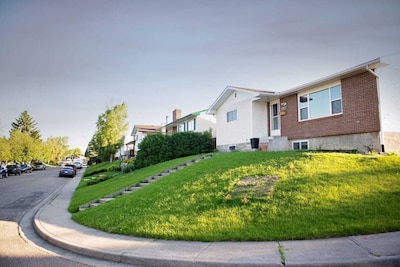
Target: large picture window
x: 231, y: 115
x: 321, y: 103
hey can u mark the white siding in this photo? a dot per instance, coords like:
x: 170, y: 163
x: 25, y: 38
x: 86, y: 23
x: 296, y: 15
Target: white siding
x: 260, y: 120
x: 238, y: 131
x: 389, y: 89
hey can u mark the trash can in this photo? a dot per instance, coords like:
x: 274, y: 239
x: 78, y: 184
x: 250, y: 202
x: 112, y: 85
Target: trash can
x: 254, y: 143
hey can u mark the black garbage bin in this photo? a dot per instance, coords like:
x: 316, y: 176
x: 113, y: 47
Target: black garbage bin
x: 254, y: 143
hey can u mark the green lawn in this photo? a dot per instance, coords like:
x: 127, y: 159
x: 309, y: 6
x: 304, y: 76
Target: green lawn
x: 246, y: 196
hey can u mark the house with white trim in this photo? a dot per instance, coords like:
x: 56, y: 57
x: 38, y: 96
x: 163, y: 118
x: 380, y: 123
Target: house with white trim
x: 198, y: 121
x: 356, y: 109
x: 139, y: 132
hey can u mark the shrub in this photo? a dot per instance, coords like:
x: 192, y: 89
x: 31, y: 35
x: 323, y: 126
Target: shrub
x: 156, y: 148
x: 129, y: 168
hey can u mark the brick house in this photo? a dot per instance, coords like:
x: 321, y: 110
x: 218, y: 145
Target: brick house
x: 343, y: 111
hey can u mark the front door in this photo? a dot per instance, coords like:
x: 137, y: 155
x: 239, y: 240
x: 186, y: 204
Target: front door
x: 275, y: 118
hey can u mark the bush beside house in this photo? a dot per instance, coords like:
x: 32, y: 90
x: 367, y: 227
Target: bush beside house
x: 156, y: 148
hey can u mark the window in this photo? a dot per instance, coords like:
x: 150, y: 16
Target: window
x: 321, y: 103
x: 191, y: 125
x: 300, y: 145
x: 231, y: 115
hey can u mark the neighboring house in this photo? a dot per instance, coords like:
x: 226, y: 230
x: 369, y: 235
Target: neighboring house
x: 355, y: 109
x: 194, y: 122
x: 139, y: 132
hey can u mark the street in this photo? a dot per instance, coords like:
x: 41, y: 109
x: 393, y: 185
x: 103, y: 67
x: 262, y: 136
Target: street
x: 20, y: 198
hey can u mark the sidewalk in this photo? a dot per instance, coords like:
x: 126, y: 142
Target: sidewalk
x: 53, y: 223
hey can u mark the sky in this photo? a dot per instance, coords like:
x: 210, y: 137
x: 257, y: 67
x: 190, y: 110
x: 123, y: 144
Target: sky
x: 67, y: 61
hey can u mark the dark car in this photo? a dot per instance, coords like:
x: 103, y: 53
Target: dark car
x: 3, y: 172
x: 39, y: 166
x: 73, y: 166
x: 14, y: 169
x: 66, y: 171
x: 26, y: 168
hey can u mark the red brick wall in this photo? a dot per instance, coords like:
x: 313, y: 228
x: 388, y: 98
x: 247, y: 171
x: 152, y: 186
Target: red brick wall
x: 359, y: 107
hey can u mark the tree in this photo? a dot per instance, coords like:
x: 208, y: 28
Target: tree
x: 24, y: 148
x: 58, y: 147
x: 5, y: 153
x: 111, y: 129
x: 25, y: 124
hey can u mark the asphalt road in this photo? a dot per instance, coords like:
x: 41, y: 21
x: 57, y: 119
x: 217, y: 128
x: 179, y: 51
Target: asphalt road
x: 20, y: 197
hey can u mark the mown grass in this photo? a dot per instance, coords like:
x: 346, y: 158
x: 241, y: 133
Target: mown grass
x: 85, y: 193
x: 316, y: 195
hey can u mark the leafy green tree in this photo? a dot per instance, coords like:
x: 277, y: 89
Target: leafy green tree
x: 25, y: 124
x: 92, y: 150
x: 111, y: 129
x: 58, y: 147
x: 25, y: 148
x: 5, y: 153
x: 74, y: 153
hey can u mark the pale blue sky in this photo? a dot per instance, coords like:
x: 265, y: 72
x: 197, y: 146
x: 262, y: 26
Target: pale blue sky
x: 66, y: 61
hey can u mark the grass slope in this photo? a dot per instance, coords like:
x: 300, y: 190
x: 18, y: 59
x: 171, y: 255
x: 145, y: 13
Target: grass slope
x: 315, y: 196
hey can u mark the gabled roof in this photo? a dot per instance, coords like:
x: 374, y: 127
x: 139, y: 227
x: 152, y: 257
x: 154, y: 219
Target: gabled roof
x: 185, y: 118
x: 257, y: 93
x: 270, y: 95
x: 145, y: 129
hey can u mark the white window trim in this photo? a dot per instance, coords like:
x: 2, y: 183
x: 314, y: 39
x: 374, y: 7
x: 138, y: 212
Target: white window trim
x: 308, y: 92
x: 231, y: 111
x: 301, y: 141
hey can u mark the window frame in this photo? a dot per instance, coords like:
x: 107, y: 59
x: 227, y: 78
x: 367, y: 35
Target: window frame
x: 231, y: 115
x: 300, y: 144
x: 303, y: 103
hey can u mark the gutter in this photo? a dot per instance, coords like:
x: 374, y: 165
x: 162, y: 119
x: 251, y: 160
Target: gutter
x: 381, y: 135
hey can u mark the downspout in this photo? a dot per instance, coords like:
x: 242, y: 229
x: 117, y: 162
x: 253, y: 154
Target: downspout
x: 381, y: 135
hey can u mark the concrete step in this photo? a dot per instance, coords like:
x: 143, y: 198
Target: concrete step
x: 104, y: 200
x: 143, y: 183
x: 126, y: 192
x: 134, y: 188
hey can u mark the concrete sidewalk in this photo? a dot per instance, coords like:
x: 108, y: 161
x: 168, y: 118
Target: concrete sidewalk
x: 53, y: 223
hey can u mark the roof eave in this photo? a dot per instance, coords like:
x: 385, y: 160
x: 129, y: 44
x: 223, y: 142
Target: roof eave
x: 372, y: 64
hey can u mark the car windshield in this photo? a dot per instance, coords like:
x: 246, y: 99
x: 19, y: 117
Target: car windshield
x: 67, y: 167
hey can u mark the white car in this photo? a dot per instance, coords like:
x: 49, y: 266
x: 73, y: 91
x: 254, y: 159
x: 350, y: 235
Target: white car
x: 78, y: 164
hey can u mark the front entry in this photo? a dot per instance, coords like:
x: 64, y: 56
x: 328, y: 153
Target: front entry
x: 275, y: 119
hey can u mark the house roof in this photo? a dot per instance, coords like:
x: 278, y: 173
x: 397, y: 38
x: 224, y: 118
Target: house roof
x: 270, y: 95
x: 185, y: 118
x: 145, y: 129
x: 230, y: 89
x: 369, y: 65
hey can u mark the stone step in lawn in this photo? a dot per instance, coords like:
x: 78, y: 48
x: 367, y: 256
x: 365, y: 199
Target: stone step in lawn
x: 142, y: 184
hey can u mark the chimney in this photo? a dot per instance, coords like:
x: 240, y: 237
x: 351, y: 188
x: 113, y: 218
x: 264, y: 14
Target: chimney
x: 176, y: 114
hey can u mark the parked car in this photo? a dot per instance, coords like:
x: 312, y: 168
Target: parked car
x: 14, y: 169
x: 3, y: 172
x: 39, y: 166
x: 73, y: 166
x: 78, y: 164
x: 67, y: 171
x: 26, y: 168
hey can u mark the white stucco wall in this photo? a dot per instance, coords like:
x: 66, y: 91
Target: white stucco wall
x: 260, y: 120
x: 203, y: 125
x: 240, y: 130
x: 389, y: 90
